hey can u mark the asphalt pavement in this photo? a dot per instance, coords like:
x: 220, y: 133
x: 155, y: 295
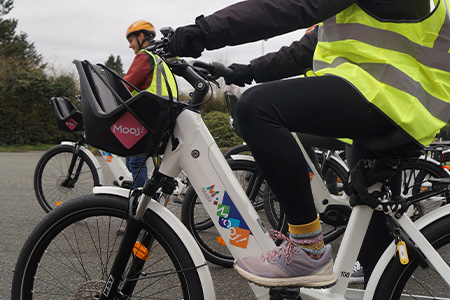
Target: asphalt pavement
x: 20, y: 213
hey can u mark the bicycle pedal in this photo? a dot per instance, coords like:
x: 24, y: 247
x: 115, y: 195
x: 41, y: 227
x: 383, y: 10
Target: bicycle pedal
x: 285, y: 293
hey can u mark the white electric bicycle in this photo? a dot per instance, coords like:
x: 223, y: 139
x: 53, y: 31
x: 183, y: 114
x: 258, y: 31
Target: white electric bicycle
x: 75, y: 253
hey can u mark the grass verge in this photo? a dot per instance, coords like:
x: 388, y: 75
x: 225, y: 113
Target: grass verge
x: 23, y: 148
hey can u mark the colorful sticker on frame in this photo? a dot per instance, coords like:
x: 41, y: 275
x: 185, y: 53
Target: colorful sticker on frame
x: 230, y: 218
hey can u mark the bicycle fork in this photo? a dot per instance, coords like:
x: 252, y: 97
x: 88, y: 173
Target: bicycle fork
x: 129, y: 245
x: 69, y: 181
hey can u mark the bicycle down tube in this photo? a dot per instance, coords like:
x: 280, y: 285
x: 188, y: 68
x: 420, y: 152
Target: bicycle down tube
x: 217, y: 187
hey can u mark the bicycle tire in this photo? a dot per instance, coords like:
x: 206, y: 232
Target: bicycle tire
x: 197, y: 220
x: 410, y: 280
x: 70, y: 253
x: 415, y: 175
x: 330, y: 232
x: 51, y: 171
x: 239, y: 149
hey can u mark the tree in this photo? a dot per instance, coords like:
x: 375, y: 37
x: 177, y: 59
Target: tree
x: 115, y: 64
x: 5, y: 6
x: 14, y: 45
x: 25, y: 114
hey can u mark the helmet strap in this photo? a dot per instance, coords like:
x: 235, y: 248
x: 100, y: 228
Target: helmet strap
x: 146, y: 38
x: 137, y: 41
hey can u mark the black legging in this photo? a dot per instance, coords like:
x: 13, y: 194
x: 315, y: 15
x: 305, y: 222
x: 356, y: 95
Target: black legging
x: 323, y: 106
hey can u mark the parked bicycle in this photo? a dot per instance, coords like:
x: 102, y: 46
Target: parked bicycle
x: 70, y: 169
x: 74, y: 253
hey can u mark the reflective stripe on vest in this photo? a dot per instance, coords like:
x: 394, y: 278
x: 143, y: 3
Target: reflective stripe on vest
x: 158, y: 85
x: 402, y: 68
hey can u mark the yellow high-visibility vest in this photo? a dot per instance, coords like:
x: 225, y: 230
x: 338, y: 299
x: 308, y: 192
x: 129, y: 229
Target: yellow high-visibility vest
x: 403, y: 68
x: 161, y: 73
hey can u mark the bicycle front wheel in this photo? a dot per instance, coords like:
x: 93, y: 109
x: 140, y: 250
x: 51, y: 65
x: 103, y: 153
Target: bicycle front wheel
x: 70, y: 253
x: 54, y: 184
x: 412, y: 281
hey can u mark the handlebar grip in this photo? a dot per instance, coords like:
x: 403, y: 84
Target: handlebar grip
x: 216, y: 69
x: 220, y: 70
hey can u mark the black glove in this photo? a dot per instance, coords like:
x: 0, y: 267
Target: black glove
x: 188, y: 41
x: 242, y: 75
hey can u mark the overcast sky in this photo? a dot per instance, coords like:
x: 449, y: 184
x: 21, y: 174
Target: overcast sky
x: 94, y: 29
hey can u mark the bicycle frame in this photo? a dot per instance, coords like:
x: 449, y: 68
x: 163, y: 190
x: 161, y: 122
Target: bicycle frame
x: 117, y: 167
x: 238, y: 223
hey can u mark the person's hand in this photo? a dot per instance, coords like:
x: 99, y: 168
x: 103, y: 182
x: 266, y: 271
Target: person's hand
x: 187, y: 41
x: 242, y: 74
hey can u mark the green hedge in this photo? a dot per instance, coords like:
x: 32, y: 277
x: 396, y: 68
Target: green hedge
x: 218, y: 124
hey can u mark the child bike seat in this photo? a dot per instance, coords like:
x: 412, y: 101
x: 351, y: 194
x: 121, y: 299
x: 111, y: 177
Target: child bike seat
x: 116, y: 121
x: 68, y: 118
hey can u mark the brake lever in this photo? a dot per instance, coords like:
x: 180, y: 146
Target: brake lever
x: 215, y: 82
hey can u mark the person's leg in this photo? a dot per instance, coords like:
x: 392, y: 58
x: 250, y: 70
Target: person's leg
x: 133, y: 164
x: 267, y: 114
x: 326, y: 106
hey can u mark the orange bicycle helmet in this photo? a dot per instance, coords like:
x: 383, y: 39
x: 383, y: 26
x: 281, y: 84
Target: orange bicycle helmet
x: 141, y: 26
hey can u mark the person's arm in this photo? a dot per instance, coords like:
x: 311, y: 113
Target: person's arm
x: 250, y: 21
x: 288, y: 61
x: 254, y: 20
x: 141, y: 72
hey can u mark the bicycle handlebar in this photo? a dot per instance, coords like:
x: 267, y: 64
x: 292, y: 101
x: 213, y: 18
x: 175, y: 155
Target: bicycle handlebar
x: 196, y: 72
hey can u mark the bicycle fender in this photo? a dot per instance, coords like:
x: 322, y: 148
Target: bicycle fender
x: 242, y: 157
x: 390, y: 250
x: 185, y: 236
x: 340, y: 162
x: 97, y: 165
x: 435, y: 162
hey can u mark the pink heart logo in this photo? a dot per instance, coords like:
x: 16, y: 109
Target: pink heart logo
x: 71, y: 123
x: 128, y: 130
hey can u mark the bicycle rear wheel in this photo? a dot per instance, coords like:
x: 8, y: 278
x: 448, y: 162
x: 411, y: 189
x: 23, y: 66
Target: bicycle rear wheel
x: 70, y: 253
x: 415, y: 176
x: 413, y: 281
x: 53, y: 185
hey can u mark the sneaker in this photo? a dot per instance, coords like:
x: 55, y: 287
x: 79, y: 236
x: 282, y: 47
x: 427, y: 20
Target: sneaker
x: 357, y: 274
x: 288, y: 265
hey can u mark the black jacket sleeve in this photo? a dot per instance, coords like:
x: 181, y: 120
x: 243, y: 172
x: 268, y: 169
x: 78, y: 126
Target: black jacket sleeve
x: 288, y: 61
x: 254, y: 20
